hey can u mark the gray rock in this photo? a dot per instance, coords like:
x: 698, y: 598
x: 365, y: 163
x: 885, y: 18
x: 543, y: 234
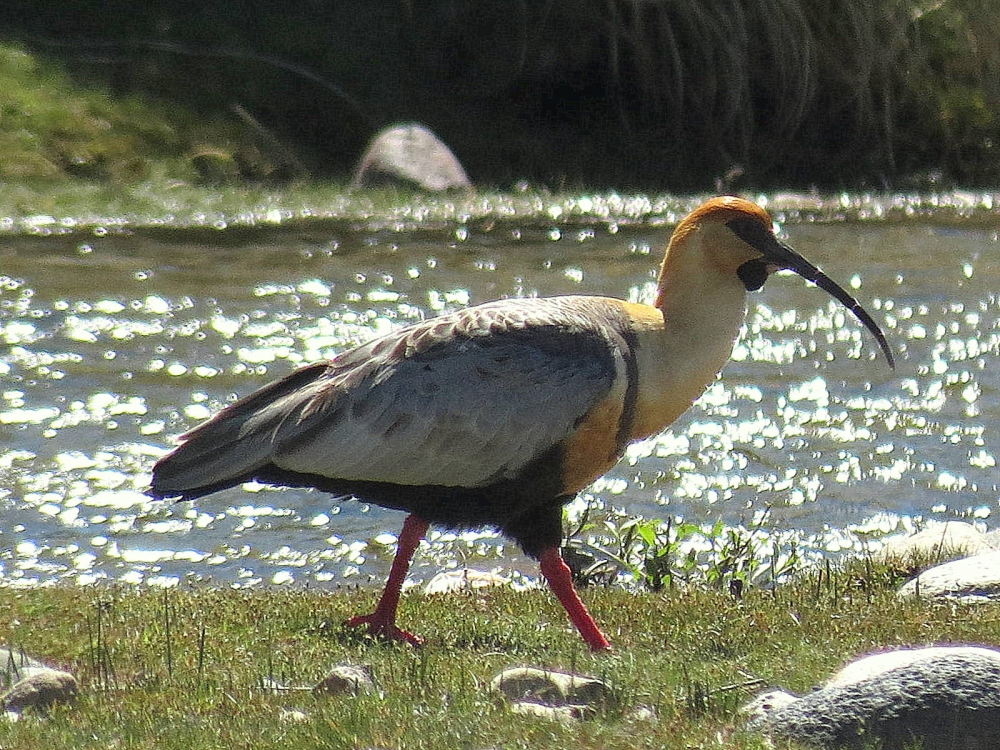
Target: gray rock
x: 412, y: 155
x: 292, y: 716
x: 993, y: 537
x: 944, y: 699
x: 465, y: 579
x: 14, y: 665
x: 563, y: 714
x: 642, y: 715
x: 345, y: 679
x: 971, y: 579
x: 760, y: 708
x: 936, y: 544
x: 874, y: 665
x: 576, y: 696
x: 40, y: 690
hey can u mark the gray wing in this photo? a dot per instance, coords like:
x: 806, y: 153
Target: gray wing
x: 462, y: 400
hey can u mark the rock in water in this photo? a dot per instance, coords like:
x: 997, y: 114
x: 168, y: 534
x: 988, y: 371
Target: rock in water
x: 410, y: 155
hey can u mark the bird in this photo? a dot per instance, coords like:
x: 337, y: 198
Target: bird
x: 497, y: 415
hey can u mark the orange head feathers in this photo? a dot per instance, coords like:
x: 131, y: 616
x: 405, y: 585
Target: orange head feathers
x: 736, y: 236
x: 720, y: 210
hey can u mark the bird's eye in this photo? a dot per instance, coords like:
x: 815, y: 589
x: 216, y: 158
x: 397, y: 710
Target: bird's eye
x: 753, y: 274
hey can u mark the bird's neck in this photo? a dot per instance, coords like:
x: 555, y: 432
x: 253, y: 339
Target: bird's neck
x: 702, y: 312
x: 698, y: 299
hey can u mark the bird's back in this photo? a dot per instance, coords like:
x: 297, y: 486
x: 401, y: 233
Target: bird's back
x: 469, y: 400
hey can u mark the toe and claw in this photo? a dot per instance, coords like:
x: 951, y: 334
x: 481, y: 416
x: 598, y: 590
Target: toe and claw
x: 382, y: 622
x: 381, y: 627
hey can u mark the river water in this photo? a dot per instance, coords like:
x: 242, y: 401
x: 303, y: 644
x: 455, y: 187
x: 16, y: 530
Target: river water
x: 112, y: 343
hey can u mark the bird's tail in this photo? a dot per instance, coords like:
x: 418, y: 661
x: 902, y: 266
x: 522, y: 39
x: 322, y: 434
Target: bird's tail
x: 235, y: 444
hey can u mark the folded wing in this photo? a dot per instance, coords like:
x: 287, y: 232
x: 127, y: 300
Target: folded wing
x: 463, y: 400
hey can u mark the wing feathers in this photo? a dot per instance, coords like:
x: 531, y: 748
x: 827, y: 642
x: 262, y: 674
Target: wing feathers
x: 461, y: 400
x: 237, y: 440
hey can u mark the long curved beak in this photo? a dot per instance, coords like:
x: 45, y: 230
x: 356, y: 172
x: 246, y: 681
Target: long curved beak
x: 778, y: 255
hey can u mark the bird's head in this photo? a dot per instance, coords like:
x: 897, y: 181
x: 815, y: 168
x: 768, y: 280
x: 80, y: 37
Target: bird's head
x: 735, y: 238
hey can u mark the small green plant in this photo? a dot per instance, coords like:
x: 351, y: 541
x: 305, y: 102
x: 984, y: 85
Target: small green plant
x: 658, y: 554
x: 99, y: 651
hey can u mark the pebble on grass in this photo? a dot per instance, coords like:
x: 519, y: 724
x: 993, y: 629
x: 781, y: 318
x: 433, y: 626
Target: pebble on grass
x: 40, y: 690
x: 556, y: 695
x: 465, y: 579
x: 345, y: 679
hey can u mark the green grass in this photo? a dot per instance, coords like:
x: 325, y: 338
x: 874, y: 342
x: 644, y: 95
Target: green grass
x: 639, y: 94
x: 188, y: 669
x: 56, y: 134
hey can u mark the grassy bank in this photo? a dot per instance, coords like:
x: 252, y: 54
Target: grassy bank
x: 58, y: 135
x: 77, y: 151
x: 651, y: 95
x: 189, y: 669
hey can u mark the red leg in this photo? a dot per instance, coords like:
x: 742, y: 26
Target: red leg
x: 382, y: 622
x: 560, y: 579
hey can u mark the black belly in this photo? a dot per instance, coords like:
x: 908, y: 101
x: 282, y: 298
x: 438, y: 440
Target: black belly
x: 528, y: 508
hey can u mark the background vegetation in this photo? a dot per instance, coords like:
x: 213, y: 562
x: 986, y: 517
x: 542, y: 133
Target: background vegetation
x: 647, y: 94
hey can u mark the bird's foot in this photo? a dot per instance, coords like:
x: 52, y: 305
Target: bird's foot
x: 382, y: 627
